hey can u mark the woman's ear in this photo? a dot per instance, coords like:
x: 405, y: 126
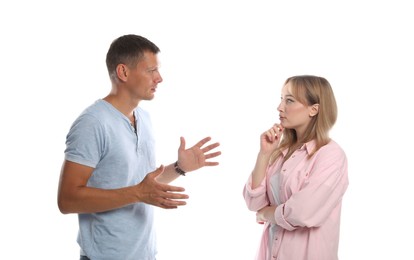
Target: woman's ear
x: 313, y: 110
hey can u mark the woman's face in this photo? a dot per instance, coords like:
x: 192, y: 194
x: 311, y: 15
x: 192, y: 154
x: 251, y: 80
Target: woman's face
x: 292, y: 113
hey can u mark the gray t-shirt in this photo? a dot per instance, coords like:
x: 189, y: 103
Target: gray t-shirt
x: 103, y: 138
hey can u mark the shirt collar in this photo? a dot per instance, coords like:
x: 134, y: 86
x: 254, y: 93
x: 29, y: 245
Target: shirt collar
x: 309, y: 146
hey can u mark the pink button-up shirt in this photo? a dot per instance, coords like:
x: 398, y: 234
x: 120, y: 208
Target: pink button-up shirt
x: 308, y: 217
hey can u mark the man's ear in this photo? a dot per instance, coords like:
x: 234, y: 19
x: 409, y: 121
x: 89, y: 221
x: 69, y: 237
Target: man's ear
x: 313, y: 110
x: 122, y: 72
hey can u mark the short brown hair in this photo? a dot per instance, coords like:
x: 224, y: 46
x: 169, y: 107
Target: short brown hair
x: 128, y: 50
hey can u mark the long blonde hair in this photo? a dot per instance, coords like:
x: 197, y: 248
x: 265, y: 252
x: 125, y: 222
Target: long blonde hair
x: 310, y: 90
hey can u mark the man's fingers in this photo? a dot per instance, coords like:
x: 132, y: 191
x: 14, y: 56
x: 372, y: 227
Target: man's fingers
x: 212, y: 155
x: 169, y: 188
x: 168, y: 203
x: 203, y: 141
x: 173, y: 203
x: 174, y: 195
x: 158, y: 171
x: 210, y: 147
x: 182, y: 144
x: 211, y: 163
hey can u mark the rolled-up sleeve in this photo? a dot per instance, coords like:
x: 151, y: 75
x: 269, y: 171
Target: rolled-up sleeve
x: 256, y: 198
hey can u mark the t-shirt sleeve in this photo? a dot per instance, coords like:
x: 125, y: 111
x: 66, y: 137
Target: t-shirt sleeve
x: 84, y: 142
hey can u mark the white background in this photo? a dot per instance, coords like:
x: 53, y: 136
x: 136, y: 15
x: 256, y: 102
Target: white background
x: 223, y: 63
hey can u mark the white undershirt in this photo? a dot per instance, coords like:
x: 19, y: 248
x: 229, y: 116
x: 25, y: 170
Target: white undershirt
x: 274, y: 184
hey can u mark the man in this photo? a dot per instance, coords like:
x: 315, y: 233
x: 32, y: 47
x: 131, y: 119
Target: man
x: 109, y: 176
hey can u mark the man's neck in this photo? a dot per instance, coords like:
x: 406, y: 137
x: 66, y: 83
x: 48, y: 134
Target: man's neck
x: 124, y: 106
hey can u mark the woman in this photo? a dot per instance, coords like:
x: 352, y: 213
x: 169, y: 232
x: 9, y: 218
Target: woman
x: 300, y: 176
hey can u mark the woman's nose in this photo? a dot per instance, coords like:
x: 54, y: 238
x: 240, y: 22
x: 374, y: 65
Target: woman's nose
x: 279, y: 107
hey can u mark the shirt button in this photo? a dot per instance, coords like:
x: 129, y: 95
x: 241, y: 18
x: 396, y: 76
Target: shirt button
x: 284, y: 170
x: 293, y: 156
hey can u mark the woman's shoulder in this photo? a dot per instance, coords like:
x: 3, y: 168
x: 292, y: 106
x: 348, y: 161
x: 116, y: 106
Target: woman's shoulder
x: 332, y: 149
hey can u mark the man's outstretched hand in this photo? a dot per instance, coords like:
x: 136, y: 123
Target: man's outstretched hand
x: 159, y: 194
x: 196, y: 157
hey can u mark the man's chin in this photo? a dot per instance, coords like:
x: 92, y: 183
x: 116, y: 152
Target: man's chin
x: 151, y: 97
